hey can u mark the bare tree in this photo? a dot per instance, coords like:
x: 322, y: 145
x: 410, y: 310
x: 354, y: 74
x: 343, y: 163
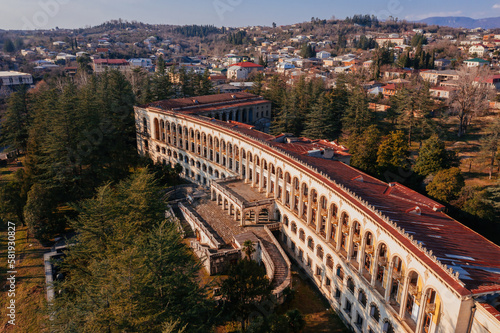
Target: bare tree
x: 472, y: 95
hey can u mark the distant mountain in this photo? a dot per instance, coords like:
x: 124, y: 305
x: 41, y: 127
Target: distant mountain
x: 463, y: 22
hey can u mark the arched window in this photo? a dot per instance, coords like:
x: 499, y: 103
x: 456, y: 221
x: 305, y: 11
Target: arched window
x: 310, y: 243
x: 350, y: 284
x: 387, y: 326
x: 302, y: 235
x: 340, y: 272
x: 157, y: 129
x: 319, y: 252
x: 329, y: 261
x: 145, y: 125
x: 285, y: 220
x: 362, y: 297
x: 374, y: 312
x: 294, y: 227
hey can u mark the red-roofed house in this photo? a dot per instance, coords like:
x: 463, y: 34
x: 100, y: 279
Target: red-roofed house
x: 241, y: 70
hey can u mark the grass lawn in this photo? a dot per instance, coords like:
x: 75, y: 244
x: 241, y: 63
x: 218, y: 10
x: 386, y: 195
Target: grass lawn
x: 30, y: 283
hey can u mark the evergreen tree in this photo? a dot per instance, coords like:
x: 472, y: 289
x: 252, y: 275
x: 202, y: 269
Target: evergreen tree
x: 433, y: 157
x: 357, y: 115
x: 245, y: 286
x: 128, y: 270
x: 363, y: 149
x: 319, y: 123
x: 393, y: 152
x: 15, y: 121
x: 160, y: 83
x: 446, y: 185
x: 8, y: 46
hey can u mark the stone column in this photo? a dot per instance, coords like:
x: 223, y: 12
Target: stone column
x: 254, y: 173
x: 375, y: 267
x: 328, y: 225
x: 268, y: 190
x: 404, y: 297
x: 350, y: 243
x: 389, y: 282
x: 276, y: 186
x: 309, y: 207
x: 339, y: 235
x: 361, y: 254
x: 300, y: 204
x: 261, y: 176
x: 421, y: 312
x: 247, y: 168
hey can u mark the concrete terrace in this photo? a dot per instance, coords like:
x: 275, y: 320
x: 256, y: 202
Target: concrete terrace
x: 244, y: 191
x: 224, y: 226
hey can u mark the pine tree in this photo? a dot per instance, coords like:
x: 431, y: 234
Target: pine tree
x: 433, y: 157
x: 319, y: 124
x: 357, y: 115
x: 129, y: 270
x: 15, y: 121
x: 446, y: 185
x: 393, y: 152
x: 363, y: 149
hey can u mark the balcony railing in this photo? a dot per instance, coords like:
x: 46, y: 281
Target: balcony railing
x: 430, y: 307
x: 369, y: 249
x: 345, y: 229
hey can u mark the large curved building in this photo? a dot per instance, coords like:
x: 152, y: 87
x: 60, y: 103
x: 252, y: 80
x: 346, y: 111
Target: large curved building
x: 388, y: 259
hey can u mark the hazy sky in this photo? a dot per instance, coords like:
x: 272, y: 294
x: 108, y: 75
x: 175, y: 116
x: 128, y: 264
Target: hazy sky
x: 45, y: 14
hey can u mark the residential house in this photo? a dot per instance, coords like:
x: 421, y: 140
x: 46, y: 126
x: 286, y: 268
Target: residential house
x: 478, y: 49
x: 442, y: 63
x: 100, y: 65
x: 435, y: 77
x: 387, y: 41
x: 441, y: 92
x: 241, y: 70
x: 323, y: 54
x: 141, y: 62
x: 476, y: 62
x: 12, y: 78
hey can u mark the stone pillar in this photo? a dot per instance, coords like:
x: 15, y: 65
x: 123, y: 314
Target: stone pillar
x: 276, y: 186
x: 301, y: 198
x: 247, y: 168
x: 421, y: 312
x: 261, y: 176
x: 254, y: 173
x: 375, y: 267
x: 361, y: 254
x: 404, y: 297
x: 339, y: 236
x: 309, y: 207
x: 389, y: 282
x: 350, y: 243
x: 328, y: 225
x: 268, y: 189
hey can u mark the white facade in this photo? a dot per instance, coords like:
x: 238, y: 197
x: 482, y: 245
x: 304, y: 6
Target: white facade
x: 11, y: 78
x: 377, y: 278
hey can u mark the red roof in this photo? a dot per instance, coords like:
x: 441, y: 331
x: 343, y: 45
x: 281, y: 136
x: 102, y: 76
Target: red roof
x: 101, y: 49
x: 247, y: 64
x: 433, y: 237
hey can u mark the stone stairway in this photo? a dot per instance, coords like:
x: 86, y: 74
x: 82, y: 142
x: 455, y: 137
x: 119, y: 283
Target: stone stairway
x: 280, y: 265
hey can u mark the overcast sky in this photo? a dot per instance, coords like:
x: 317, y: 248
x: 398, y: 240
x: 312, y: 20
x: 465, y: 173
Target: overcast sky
x: 45, y: 14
